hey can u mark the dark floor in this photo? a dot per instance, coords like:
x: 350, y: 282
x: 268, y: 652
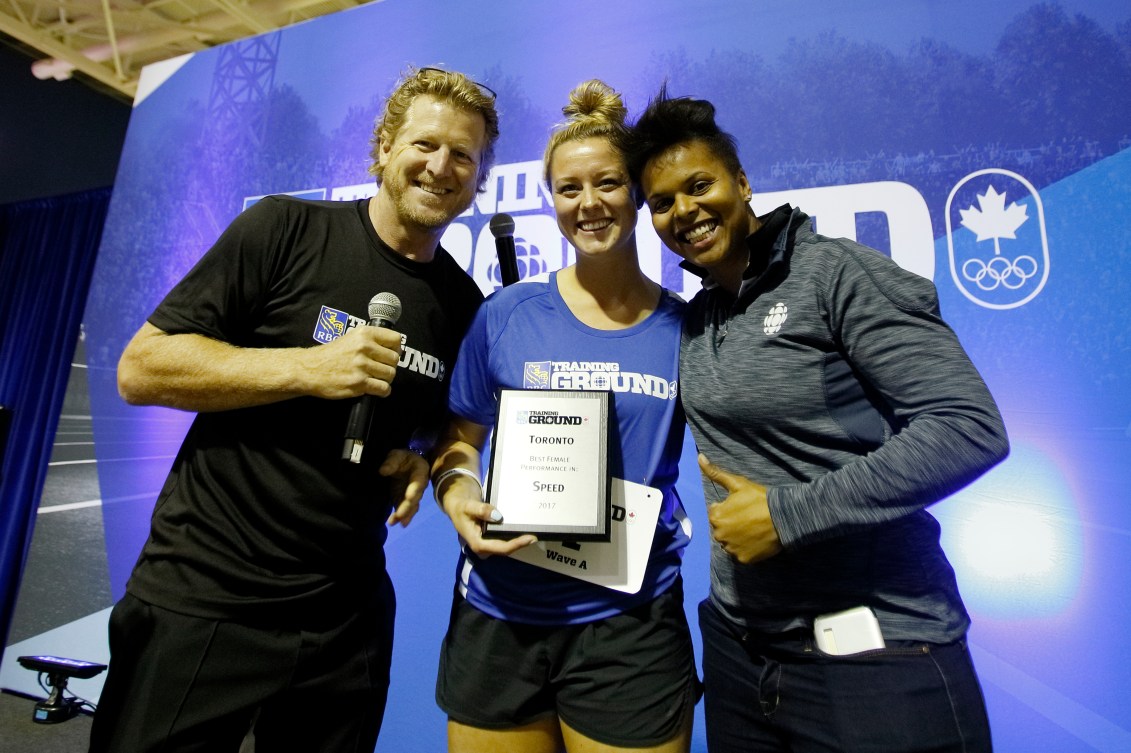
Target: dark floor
x: 19, y: 734
x: 65, y: 578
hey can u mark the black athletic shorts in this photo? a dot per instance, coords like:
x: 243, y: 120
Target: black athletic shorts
x: 181, y: 683
x: 627, y: 681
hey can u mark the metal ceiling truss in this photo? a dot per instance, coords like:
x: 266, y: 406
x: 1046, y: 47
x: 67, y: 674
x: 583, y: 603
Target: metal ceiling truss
x: 110, y: 41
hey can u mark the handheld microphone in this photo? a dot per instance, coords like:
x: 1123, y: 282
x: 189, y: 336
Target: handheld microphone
x: 502, y: 227
x: 384, y: 311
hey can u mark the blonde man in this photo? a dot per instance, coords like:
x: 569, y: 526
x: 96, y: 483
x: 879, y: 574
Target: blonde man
x: 260, y: 601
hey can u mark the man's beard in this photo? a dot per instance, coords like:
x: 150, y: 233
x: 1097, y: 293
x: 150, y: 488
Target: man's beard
x: 425, y: 218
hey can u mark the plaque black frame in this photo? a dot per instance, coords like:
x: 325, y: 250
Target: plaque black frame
x: 602, y: 530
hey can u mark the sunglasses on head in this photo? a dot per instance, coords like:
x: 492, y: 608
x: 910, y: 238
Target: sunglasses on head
x: 483, y: 87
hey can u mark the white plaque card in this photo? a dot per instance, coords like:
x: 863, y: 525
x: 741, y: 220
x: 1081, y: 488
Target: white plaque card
x: 619, y: 563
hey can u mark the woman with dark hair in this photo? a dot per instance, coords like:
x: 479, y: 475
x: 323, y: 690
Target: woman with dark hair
x: 835, y: 405
x: 536, y: 661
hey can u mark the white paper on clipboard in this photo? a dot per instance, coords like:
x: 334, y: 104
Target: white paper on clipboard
x: 619, y: 563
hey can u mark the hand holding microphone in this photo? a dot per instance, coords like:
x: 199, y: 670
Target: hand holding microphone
x: 384, y: 311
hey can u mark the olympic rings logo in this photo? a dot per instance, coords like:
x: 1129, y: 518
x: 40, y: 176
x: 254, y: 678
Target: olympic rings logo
x: 1000, y: 271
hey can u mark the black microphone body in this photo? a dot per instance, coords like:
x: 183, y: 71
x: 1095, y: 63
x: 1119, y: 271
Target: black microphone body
x: 502, y: 227
x: 384, y: 311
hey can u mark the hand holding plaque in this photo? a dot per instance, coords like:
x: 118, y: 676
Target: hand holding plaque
x: 461, y: 499
x: 549, y: 471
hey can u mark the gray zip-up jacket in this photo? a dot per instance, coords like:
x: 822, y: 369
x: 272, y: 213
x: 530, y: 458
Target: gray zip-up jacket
x: 833, y: 380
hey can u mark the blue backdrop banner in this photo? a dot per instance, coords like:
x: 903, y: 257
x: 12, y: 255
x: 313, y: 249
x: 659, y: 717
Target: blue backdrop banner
x: 984, y: 146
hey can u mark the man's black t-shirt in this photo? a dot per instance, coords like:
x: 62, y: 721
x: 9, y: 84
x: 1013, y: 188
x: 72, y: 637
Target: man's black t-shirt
x: 260, y: 518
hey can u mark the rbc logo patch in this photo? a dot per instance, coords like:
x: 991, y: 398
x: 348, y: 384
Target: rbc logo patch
x: 331, y: 324
x: 536, y: 375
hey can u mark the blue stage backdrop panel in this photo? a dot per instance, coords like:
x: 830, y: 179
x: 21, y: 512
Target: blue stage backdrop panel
x: 984, y: 146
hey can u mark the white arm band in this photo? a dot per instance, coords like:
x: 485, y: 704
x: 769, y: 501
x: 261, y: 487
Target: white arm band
x: 450, y: 473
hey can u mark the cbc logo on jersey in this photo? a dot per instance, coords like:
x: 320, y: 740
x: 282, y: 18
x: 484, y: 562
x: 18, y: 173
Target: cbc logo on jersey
x: 779, y: 312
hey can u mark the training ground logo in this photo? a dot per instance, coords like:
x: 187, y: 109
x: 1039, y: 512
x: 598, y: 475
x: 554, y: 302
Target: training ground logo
x: 779, y: 312
x: 1001, y: 207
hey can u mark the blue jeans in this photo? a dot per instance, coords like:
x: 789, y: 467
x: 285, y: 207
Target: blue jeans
x: 781, y: 693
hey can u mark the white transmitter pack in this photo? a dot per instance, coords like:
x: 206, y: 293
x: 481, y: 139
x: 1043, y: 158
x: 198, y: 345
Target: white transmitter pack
x: 849, y: 632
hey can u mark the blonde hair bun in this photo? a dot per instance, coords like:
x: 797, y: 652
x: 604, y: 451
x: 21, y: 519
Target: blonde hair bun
x: 595, y: 110
x: 595, y: 99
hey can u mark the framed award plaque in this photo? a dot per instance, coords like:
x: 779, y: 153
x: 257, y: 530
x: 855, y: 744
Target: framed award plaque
x: 549, y: 472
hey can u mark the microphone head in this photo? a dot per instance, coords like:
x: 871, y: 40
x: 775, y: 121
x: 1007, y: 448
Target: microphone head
x: 385, y: 306
x: 502, y: 225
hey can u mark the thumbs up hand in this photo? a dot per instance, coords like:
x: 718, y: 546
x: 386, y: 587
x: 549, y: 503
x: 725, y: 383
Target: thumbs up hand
x: 741, y: 522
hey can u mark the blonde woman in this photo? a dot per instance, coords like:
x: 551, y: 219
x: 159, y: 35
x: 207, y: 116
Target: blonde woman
x: 534, y: 661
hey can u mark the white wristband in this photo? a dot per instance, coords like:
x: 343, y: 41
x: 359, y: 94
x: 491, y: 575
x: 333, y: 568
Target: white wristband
x: 450, y: 473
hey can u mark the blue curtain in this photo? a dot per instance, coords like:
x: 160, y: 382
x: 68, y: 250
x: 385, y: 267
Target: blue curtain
x: 47, y: 253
